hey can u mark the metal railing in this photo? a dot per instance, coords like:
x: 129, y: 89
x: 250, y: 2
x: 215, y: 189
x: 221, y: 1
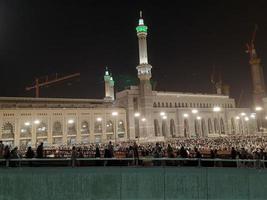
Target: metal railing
x: 141, y: 161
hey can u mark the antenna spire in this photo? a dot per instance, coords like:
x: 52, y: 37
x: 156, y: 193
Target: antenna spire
x: 140, y: 13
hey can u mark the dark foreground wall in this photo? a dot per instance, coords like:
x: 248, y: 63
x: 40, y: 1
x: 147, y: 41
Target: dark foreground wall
x: 132, y: 183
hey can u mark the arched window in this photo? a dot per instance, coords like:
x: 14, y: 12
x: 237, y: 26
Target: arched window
x: 203, y: 128
x: 185, y: 104
x: 71, y: 127
x: 182, y: 104
x: 121, y: 127
x: 85, y: 129
x: 172, y: 128
x: 154, y: 104
x: 179, y: 104
x: 26, y: 129
x: 41, y: 129
x: 162, y: 104
x: 109, y: 127
x: 164, y: 128
x: 175, y: 104
x: 8, y: 130
x: 186, y: 128
x: 156, y: 127
x: 167, y: 104
x: 170, y: 105
x: 98, y: 128
x: 57, y: 128
x: 232, y: 125
x: 200, y: 105
x: 210, y: 126
x: 222, y: 126
x: 216, y: 125
x: 158, y: 104
x: 190, y: 105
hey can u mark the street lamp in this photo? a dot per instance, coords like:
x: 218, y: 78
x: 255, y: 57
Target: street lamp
x: 99, y: 119
x: 258, y: 108
x: 162, y: 113
x: 243, y: 114
x: 137, y: 114
x: 164, y: 117
x: 216, y: 109
x: 37, y: 121
x: 185, y: 115
x: 194, y: 111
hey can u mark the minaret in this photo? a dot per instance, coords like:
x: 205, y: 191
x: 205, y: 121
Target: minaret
x: 256, y: 73
x: 144, y: 69
x: 144, y: 75
x: 109, y: 85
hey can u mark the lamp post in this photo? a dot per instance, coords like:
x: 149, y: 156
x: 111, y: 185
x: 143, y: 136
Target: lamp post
x: 115, y: 114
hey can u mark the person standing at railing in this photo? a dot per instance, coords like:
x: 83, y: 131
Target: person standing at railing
x: 30, y: 153
x: 14, y: 155
x: 97, y: 155
x: 40, y: 151
x: 170, y: 154
x: 111, y: 150
x: 135, y: 154
x: 7, y: 152
x: 157, y: 154
x: 97, y: 152
x: 233, y: 153
x: 1, y: 149
x: 73, y: 156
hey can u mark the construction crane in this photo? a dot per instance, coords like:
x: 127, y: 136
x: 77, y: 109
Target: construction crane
x: 217, y: 84
x: 41, y: 82
x: 250, y: 46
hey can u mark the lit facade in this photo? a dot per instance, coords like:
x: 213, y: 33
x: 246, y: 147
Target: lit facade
x: 137, y: 113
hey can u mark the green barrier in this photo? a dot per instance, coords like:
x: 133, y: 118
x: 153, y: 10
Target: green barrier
x: 169, y: 183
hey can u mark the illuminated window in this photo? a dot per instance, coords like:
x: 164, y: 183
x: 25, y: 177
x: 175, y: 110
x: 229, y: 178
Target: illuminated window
x: 98, y: 126
x: 8, y: 130
x: 57, y: 128
x: 71, y: 127
x: 109, y: 127
x: 26, y: 129
x: 85, y: 127
x: 121, y: 127
x: 41, y: 129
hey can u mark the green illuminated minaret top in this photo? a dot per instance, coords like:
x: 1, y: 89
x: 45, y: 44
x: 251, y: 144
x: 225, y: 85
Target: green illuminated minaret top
x: 141, y: 26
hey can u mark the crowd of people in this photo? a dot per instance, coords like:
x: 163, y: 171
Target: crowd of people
x: 224, y: 147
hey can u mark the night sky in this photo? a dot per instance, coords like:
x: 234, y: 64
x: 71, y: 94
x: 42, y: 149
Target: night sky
x: 186, y: 40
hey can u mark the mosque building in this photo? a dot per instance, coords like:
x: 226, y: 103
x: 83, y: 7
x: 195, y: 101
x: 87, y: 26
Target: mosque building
x: 136, y: 113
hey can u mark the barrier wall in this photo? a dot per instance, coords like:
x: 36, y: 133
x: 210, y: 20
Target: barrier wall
x: 132, y: 183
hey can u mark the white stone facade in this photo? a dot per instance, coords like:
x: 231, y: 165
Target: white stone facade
x: 138, y: 113
x: 27, y: 121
